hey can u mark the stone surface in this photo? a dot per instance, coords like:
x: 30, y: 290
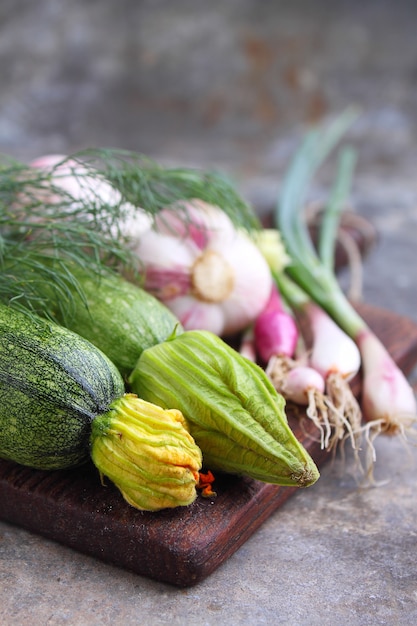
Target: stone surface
x: 233, y: 86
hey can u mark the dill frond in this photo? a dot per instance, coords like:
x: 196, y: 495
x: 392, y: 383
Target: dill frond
x: 144, y: 183
x: 45, y: 225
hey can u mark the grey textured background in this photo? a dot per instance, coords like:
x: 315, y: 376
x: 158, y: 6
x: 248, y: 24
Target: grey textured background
x: 233, y: 85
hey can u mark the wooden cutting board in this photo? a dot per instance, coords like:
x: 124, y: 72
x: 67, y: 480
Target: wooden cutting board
x: 180, y: 546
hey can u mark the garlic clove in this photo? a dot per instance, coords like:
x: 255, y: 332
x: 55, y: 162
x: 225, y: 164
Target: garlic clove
x: 157, y: 250
x: 195, y: 220
x: 195, y: 315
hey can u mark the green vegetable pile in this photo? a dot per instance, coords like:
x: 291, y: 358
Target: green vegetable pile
x: 94, y: 368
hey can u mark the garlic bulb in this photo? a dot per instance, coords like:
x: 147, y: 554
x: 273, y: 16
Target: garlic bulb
x: 211, y: 275
x: 82, y: 187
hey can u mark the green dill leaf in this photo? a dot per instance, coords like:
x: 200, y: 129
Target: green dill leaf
x: 45, y: 224
x: 146, y: 184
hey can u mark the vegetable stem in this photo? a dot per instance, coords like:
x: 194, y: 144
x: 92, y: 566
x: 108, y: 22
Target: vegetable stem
x: 314, y: 273
x: 330, y: 222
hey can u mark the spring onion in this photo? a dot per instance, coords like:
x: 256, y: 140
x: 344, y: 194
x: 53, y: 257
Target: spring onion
x: 275, y: 330
x: 336, y: 357
x: 313, y: 271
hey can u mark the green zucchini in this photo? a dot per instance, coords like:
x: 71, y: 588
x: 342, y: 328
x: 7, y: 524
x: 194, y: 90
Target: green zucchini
x: 63, y: 401
x: 53, y: 384
x: 118, y: 317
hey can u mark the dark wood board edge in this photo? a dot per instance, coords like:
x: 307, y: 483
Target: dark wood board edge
x: 181, y: 546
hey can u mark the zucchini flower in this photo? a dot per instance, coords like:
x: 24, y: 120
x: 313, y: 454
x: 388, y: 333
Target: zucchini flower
x: 148, y: 453
x: 234, y: 413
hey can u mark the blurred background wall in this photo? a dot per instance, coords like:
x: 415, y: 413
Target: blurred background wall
x: 224, y: 84
x: 197, y: 80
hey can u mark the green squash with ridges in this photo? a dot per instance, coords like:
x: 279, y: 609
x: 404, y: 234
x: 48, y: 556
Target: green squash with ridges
x: 234, y: 413
x: 62, y: 402
x: 53, y: 383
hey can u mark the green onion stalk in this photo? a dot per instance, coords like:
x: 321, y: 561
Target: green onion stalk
x: 388, y: 401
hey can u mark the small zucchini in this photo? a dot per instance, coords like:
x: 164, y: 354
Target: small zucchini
x: 63, y: 401
x: 118, y: 317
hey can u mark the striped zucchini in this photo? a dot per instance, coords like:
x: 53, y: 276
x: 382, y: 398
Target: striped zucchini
x: 63, y: 401
x: 118, y: 317
x: 53, y: 383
